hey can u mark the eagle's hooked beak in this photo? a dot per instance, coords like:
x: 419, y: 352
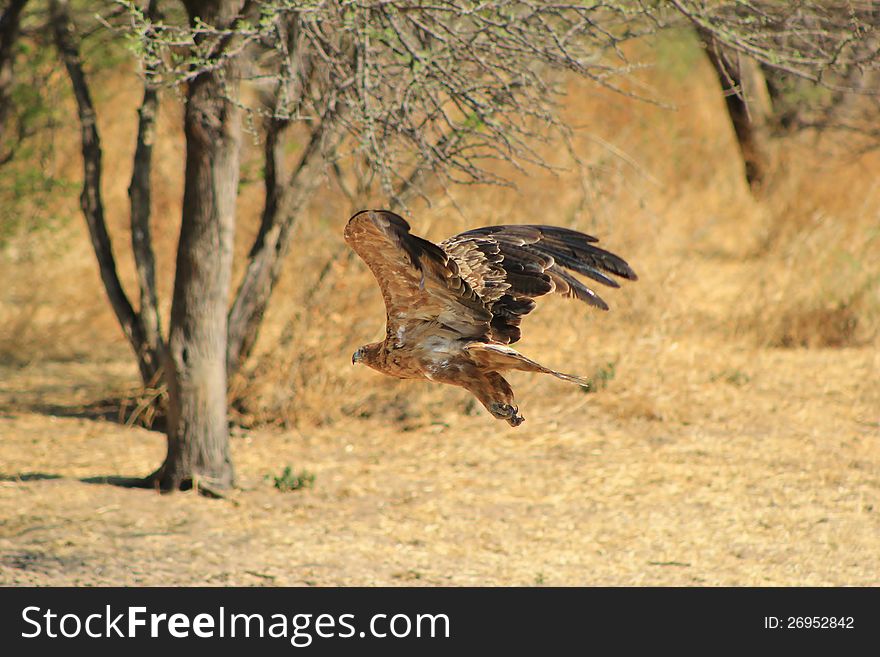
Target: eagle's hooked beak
x: 356, y: 356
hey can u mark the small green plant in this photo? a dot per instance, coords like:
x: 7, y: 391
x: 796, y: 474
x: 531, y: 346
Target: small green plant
x: 600, y: 378
x: 289, y: 481
x: 734, y: 377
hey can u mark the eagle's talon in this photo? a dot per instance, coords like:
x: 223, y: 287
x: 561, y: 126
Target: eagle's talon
x: 507, y: 412
x: 501, y: 410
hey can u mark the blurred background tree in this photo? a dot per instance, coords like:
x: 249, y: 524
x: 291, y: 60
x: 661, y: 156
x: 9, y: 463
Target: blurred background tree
x: 789, y: 65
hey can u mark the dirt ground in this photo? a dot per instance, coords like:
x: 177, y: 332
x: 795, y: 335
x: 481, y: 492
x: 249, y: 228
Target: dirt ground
x: 771, y: 481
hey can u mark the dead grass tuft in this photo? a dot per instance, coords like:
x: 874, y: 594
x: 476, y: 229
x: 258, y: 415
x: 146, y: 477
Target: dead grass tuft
x: 816, y: 327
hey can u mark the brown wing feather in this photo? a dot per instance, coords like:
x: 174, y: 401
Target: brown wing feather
x: 419, y: 281
x: 510, y: 266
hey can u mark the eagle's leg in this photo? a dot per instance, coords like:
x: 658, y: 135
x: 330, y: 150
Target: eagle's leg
x: 495, y: 393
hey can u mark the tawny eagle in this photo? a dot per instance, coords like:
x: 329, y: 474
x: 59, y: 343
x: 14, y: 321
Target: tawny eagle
x: 453, y: 308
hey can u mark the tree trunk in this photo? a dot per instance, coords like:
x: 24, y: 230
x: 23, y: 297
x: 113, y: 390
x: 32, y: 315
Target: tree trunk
x: 747, y: 126
x: 195, y: 368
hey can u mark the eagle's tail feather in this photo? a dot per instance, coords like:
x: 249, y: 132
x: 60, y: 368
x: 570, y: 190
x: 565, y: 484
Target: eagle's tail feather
x: 498, y: 357
x: 581, y: 381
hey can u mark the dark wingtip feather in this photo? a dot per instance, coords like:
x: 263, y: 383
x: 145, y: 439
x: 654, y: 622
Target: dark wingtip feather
x: 619, y: 266
x: 579, y: 291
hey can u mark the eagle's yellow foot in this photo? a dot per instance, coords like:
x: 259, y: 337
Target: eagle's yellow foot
x: 507, y: 412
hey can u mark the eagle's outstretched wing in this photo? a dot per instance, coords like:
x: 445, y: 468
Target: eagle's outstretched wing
x: 482, y: 282
x: 509, y: 266
x: 418, y: 279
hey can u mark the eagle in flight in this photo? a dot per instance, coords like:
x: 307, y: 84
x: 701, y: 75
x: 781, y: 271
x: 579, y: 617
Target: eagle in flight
x: 453, y: 308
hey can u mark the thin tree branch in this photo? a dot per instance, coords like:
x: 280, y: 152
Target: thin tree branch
x: 141, y: 238
x: 90, y: 200
x: 284, y: 203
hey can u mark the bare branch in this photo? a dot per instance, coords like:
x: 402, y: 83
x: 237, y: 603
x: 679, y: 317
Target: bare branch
x: 816, y: 41
x: 141, y: 239
x: 285, y: 200
x: 90, y: 199
x: 403, y: 77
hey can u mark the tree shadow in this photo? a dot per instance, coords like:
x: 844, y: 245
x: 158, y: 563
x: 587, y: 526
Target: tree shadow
x: 124, y: 410
x: 106, y: 480
x: 150, y: 482
x: 29, y: 476
x: 120, y: 481
x: 35, y: 561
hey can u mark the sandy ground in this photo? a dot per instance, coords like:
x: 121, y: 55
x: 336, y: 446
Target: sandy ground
x: 773, y: 478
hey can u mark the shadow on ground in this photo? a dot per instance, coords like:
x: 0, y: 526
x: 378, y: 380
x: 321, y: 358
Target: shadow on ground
x: 106, y: 480
x: 122, y: 410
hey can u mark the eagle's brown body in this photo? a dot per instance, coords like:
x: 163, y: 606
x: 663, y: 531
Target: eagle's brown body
x: 453, y: 308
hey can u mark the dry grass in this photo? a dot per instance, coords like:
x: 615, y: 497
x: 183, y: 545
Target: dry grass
x: 736, y: 438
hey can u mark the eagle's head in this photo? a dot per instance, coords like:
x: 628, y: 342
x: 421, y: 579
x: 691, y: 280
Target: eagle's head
x: 367, y: 354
